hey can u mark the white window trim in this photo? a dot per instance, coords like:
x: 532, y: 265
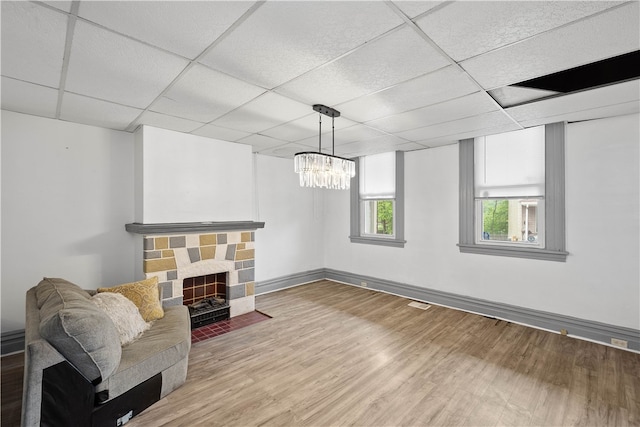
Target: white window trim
x: 356, y: 226
x: 554, y: 206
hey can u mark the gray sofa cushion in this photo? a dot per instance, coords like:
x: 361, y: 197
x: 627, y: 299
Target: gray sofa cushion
x: 78, y: 329
x: 166, y: 344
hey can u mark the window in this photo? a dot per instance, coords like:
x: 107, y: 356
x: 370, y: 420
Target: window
x: 377, y: 202
x: 512, y: 194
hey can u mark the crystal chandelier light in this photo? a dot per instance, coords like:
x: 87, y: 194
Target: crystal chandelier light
x: 323, y: 170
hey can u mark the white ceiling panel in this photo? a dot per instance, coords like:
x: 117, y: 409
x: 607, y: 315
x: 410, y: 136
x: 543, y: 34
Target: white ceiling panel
x: 467, y: 29
x: 601, y: 36
x: 286, y: 151
x: 115, y: 68
x: 353, y: 133
x: 217, y: 132
x: 183, y: 27
x: 33, y: 39
x: 588, y: 114
x: 202, y: 94
x: 370, y: 146
x: 415, y: 8
x: 469, y: 124
x: 601, y: 97
x: 512, y: 95
x: 432, y: 88
x: 89, y: 111
x: 454, y: 138
x: 261, y: 142
x: 304, y: 127
x: 165, y: 121
x: 263, y: 50
x: 28, y: 98
x: 465, y: 106
x: 62, y: 5
x: 368, y: 69
x: 262, y: 113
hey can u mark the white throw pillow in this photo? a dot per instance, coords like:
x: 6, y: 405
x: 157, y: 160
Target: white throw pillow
x: 124, y: 314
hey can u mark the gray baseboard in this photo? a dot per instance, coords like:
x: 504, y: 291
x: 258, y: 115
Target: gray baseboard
x: 579, y: 328
x: 12, y: 342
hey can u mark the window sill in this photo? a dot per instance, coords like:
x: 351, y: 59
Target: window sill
x: 529, y: 253
x: 381, y: 241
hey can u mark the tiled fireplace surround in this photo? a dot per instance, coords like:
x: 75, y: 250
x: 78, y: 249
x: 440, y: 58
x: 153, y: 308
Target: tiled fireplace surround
x: 173, y: 256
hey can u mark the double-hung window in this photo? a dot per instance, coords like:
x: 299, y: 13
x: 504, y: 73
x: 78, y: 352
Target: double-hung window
x: 377, y: 202
x: 512, y: 194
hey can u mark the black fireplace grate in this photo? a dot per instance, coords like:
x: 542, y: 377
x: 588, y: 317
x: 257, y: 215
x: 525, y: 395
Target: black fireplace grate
x: 207, y: 311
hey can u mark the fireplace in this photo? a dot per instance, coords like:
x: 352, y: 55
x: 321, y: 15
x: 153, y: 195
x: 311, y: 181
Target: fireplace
x: 176, y: 252
x: 206, y: 297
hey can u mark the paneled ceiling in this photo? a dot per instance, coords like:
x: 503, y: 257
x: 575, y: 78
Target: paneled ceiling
x: 406, y: 75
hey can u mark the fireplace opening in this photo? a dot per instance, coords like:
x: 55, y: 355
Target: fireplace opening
x: 206, y: 298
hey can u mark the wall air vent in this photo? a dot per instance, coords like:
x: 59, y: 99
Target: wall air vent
x: 601, y: 73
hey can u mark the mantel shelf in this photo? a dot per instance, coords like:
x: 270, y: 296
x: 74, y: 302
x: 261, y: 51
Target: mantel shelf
x: 192, y: 227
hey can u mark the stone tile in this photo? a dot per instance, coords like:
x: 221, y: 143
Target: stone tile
x: 168, y: 253
x: 152, y: 254
x: 148, y: 244
x: 194, y: 254
x: 238, y: 265
x: 231, y: 252
x: 208, y: 239
x: 177, y: 242
x: 248, y: 264
x: 233, y: 237
x: 235, y: 292
x: 222, y: 238
x: 242, y: 305
x: 193, y: 240
x: 241, y: 246
x: 246, y: 237
x: 246, y: 254
x: 162, y: 242
x: 171, y: 302
x: 172, y: 275
x: 250, y: 288
x: 247, y: 275
x: 167, y: 289
x: 162, y: 264
x: 208, y: 252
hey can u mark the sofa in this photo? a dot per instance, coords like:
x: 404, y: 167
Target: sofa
x: 77, y: 372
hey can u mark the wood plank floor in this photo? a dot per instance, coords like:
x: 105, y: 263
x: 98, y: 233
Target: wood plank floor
x: 340, y: 355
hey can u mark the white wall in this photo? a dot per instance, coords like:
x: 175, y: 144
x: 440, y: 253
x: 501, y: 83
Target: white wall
x: 600, y: 280
x: 189, y: 178
x: 292, y: 239
x: 67, y: 192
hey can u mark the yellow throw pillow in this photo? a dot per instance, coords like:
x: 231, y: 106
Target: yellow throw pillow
x: 144, y: 295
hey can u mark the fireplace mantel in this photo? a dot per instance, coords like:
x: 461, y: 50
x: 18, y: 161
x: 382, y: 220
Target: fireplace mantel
x: 192, y: 227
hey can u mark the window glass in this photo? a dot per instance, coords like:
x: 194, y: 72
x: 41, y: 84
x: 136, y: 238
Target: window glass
x: 518, y: 220
x: 378, y: 217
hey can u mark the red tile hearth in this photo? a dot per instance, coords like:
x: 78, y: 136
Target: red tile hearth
x: 214, y: 329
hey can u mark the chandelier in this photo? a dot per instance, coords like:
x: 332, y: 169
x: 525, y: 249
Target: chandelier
x: 323, y: 170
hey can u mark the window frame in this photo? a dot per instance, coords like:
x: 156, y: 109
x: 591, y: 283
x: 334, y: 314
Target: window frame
x: 357, y: 224
x: 554, y: 203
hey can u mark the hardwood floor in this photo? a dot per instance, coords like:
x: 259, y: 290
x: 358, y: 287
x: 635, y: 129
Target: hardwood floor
x: 339, y: 355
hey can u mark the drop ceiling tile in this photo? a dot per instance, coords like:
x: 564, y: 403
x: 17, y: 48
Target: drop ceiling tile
x: 33, y: 39
x: 183, y: 27
x: 467, y: 29
x: 410, y: 146
x: 263, y: 113
x: 474, y: 125
x: 454, y: 138
x: 362, y: 71
x: 302, y: 128
x: 62, y: 5
x: 261, y: 142
x: 600, y: 97
x: 371, y: 146
x: 165, y: 121
x: 90, y: 111
x: 29, y: 98
x: 356, y: 132
x: 465, y: 106
x: 608, y: 34
x: 512, y: 95
x: 202, y: 94
x: 286, y: 151
x: 283, y: 39
x: 446, y: 83
x: 415, y: 8
x: 115, y: 68
x: 217, y: 132
x: 632, y: 107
